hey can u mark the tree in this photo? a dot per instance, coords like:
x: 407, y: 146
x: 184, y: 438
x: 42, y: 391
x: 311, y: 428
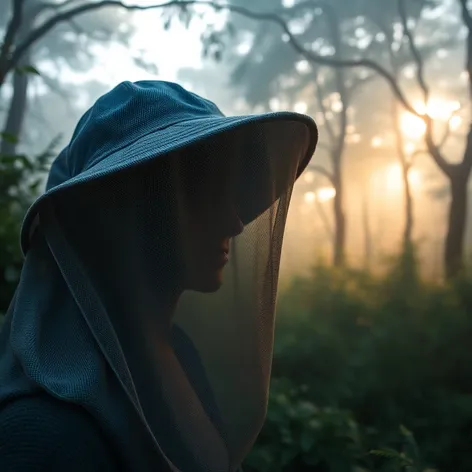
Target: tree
x: 253, y: 74
x: 69, y: 43
x: 20, y: 178
x: 456, y: 173
x: 14, y: 46
x: 329, y: 29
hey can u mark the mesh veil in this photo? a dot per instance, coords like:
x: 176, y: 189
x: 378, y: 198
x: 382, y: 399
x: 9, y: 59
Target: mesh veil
x: 204, y: 400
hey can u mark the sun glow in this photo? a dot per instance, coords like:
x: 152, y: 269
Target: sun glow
x: 414, y: 127
x: 322, y: 195
x: 326, y: 193
x: 394, y: 178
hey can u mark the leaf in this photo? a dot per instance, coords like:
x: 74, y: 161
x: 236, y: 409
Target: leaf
x: 149, y: 67
x: 385, y: 453
x: 9, y: 138
x: 28, y: 69
x: 307, y: 440
x: 405, y: 431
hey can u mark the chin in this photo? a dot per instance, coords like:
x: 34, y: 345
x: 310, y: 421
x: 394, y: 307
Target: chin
x: 203, y: 284
x: 204, y: 281
x: 208, y: 286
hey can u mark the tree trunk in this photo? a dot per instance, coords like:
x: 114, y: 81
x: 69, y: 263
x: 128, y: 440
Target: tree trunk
x: 17, y: 109
x: 405, y: 166
x: 3, y: 73
x: 339, y: 242
x: 367, y: 232
x: 457, y: 221
x: 18, y: 103
x: 339, y: 218
x: 408, y: 202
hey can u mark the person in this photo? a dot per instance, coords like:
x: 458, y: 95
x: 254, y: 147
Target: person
x: 140, y: 334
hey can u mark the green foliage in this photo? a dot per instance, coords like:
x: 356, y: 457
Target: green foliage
x: 299, y: 433
x: 21, y: 178
x: 363, y: 356
x: 27, y: 70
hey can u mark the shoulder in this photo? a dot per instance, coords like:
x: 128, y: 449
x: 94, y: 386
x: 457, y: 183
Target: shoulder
x: 41, y: 433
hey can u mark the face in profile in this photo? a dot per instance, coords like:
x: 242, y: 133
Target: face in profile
x: 210, y: 221
x: 201, y: 217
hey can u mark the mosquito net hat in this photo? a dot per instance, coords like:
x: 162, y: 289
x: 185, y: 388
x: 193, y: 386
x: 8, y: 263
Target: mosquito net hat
x: 151, y: 171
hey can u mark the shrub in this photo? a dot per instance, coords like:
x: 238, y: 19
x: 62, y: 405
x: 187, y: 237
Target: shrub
x: 380, y: 352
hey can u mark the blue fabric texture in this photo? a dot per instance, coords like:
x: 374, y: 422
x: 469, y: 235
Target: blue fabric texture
x: 57, y: 339
x: 139, y: 121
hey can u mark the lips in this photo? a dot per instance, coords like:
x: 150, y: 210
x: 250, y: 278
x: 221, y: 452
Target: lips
x: 224, y: 257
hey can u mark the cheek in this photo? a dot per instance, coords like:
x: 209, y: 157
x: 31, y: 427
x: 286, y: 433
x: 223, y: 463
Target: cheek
x: 191, y: 234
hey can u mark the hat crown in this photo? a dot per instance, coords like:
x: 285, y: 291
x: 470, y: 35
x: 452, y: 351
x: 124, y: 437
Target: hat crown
x: 122, y: 116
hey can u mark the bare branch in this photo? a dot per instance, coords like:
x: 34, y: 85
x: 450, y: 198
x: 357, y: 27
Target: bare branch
x: 324, y: 111
x: 41, y: 30
x: 399, y: 141
x: 435, y: 152
x: 433, y: 149
x: 447, y: 131
x: 57, y: 6
x: 466, y: 16
x: 324, y: 218
x: 322, y: 171
x: 49, y: 24
x: 414, y: 51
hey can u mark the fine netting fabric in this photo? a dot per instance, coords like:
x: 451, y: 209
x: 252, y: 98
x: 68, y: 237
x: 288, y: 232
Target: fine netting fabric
x: 121, y: 249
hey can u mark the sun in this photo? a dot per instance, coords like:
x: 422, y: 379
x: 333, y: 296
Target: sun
x: 412, y: 126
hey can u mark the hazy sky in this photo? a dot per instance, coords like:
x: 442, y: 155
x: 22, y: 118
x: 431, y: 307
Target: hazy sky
x: 169, y: 50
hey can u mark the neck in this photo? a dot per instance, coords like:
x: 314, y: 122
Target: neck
x: 158, y: 318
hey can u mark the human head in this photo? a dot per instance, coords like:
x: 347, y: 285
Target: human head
x: 167, y: 223
x: 125, y: 232
x: 207, y: 214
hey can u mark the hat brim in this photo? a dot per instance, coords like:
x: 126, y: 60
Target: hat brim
x: 164, y: 141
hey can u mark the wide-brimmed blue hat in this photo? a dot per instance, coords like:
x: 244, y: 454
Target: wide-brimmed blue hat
x: 137, y: 122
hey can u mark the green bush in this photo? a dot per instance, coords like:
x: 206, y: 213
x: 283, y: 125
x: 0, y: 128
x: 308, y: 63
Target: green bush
x: 376, y: 353
x: 298, y: 434
x: 20, y: 183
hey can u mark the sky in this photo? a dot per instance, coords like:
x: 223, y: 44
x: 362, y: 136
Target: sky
x: 170, y: 50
